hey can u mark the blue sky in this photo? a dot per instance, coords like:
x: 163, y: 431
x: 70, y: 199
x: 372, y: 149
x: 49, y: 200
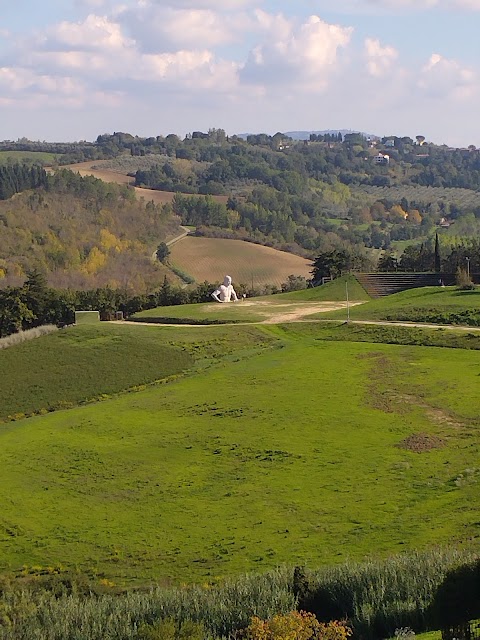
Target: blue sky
x: 72, y: 69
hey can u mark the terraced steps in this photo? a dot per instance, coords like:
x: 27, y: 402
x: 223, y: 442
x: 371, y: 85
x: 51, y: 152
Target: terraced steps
x: 385, y: 284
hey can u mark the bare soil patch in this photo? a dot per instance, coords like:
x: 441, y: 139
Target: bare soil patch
x: 421, y: 443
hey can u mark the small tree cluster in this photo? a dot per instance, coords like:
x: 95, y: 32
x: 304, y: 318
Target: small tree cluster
x: 296, y: 625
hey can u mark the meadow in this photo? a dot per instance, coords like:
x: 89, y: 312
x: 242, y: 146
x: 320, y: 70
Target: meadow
x: 252, y: 264
x: 436, y: 305
x: 288, y: 448
x: 90, y: 362
x: 39, y: 157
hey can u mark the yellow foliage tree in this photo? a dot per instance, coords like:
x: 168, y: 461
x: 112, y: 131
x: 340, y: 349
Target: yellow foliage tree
x: 296, y: 625
x: 397, y: 214
x: 414, y: 216
x: 109, y: 241
x: 94, y: 261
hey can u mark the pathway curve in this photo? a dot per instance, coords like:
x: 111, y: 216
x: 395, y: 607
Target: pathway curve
x: 302, y: 313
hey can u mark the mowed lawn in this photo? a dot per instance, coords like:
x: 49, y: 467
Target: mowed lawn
x: 425, y: 304
x: 308, y: 452
x: 86, y: 362
x: 247, y: 263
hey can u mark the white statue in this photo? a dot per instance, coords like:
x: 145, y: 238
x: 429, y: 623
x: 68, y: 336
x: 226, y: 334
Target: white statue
x: 225, y: 291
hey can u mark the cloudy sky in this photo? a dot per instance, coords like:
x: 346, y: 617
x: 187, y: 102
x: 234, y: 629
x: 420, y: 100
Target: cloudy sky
x: 72, y: 69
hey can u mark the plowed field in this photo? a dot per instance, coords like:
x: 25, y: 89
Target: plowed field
x: 212, y: 258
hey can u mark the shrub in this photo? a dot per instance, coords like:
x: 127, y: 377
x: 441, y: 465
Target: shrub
x: 463, y: 280
x: 168, y: 629
x: 296, y: 625
x: 29, y: 334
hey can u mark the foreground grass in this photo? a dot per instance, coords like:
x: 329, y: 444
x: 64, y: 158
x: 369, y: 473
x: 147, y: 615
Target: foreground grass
x: 82, y: 363
x: 428, y: 304
x: 376, y: 597
x: 310, y: 453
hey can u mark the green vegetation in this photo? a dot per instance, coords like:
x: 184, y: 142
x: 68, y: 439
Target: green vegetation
x: 80, y: 232
x: 429, y: 304
x: 87, y: 317
x: 90, y: 362
x: 82, y: 364
x: 259, y: 309
x: 307, y: 452
x: 38, y: 157
x: 384, y: 334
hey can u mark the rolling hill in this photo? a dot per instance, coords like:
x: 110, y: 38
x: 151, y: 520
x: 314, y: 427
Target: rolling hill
x: 251, y: 264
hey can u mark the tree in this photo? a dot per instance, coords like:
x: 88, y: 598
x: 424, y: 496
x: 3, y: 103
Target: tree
x: 162, y: 252
x: 387, y: 262
x: 14, y: 313
x: 332, y: 264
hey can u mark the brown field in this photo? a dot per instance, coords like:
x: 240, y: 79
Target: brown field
x: 212, y: 258
x: 158, y: 197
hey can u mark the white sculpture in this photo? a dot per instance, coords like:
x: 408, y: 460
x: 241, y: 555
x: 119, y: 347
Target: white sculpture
x: 225, y: 291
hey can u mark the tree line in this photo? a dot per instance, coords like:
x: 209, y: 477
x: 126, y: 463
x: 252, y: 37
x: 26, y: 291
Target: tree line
x: 34, y: 303
x: 20, y: 177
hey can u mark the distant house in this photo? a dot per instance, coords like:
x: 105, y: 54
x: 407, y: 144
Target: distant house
x: 382, y: 158
x: 390, y: 143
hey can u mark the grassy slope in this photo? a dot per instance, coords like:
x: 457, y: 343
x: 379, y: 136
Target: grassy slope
x: 331, y: 291
x: 255, y: 309
x: 81, y: 363
x: 287, y: 455
x: 21, y: 156
x: 416, y: 303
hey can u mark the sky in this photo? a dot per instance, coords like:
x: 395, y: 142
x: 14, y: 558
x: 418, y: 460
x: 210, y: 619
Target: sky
x: 73, y: 69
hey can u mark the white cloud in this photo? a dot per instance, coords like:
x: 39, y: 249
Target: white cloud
x: 160, y: 28
x: 95, y: 32
x: 441, y: 78
x: 303, y: 56
x: 380, y: 59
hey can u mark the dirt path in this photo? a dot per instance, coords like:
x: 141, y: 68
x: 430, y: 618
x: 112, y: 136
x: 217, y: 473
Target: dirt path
x: 297, y: 313
x: 301, y: 315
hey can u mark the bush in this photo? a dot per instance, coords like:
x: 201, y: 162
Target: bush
x: 463, y: 280
x: 29, y: 334
x: 168, y: 629
x: 296, y: 625
x: 457, y: 599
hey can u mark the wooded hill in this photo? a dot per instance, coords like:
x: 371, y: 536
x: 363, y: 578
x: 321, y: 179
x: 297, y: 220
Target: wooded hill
x: 83, y: 233
x: 307, y: 196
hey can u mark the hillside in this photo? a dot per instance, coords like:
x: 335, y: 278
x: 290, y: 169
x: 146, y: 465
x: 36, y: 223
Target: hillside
x: 251, y: 264
x: 436, y: 305
x: 292, y: 449
x: 83, y: 233
x: 117, y: 171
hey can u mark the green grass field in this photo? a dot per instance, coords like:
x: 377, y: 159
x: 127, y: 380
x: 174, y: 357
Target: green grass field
x: 428, y: 304
x: 41, y: 157
x: 261, y: 309
x: 290, y: 449
x: 87, y: 362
